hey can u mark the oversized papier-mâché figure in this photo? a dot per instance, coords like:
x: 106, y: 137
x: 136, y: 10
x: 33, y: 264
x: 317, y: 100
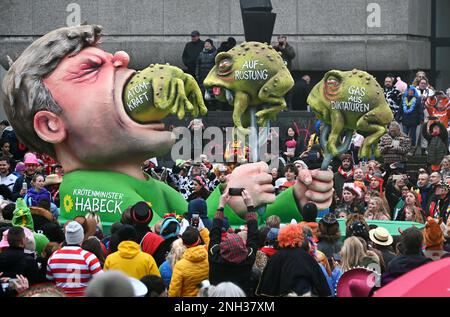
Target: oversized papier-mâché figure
x: 250, y: 75
x: 83, y: 106
x: 347, y: 102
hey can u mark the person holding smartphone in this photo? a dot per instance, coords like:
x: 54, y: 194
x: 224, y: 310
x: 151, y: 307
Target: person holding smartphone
x: 394, y: 145
x: 230, y: 258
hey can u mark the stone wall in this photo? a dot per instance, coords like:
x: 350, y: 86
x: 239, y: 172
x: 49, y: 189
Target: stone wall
x: 325, y: 34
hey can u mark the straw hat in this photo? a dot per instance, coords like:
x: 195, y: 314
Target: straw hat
x: 380, y: 236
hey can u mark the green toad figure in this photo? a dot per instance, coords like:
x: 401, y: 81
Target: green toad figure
x: 158, y: 90
x: 249, y: 75
x: 351, y: 101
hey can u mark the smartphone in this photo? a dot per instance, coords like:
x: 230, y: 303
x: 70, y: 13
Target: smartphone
x: 12, y: 283
x: 235, y: 191
x: 25, y: 185
x: 397, y: 177
x: 396, y: 143
x: 195, y: 220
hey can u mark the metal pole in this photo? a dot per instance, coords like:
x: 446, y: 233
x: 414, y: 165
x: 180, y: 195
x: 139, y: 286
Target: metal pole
x: 253, y: 140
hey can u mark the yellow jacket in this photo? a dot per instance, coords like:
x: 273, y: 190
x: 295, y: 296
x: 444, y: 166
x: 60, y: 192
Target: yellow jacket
x: 189, y: 272
x: 132, y: 261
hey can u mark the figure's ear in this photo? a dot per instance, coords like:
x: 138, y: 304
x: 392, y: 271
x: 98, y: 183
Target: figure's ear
x: 49, y: 127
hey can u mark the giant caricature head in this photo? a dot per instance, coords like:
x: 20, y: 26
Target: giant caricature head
x: 63, y: 96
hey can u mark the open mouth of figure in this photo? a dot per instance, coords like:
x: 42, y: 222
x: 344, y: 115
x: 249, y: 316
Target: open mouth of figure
x: 332, y: 86
x: 219, y: 93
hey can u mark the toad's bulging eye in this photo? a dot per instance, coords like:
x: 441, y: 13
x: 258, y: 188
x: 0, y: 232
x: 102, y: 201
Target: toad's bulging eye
x: 332, y: 81
x: 225, y: 66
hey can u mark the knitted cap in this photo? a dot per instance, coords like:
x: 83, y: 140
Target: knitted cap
x: 74, y: 233
x: 233, y: 248
x: 309, y: 212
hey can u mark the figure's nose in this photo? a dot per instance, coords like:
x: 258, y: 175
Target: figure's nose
x: 121, y: 59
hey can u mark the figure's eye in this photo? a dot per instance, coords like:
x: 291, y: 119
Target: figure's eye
x: 225, y: 65
x: 332, y: 81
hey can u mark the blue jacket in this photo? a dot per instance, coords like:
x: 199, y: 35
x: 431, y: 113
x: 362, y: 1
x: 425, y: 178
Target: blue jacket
x: 166, y: 273
x: 33, y: 197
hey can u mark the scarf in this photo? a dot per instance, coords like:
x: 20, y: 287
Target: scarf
x: 409, y: 106
x: 345, y: 174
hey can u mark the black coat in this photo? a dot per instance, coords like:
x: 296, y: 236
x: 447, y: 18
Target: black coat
x: 221, y: 270
x: 412, y: 119
x: 437, y: 146
x: 292, y: 270
x: 401, y: 265
x: 162, y: 251
x: 300, y: 95
x: 339, y: 181
x: 205, y: 62
x: 393, y: 195
x: 14, y: 261
x: 190, y: 54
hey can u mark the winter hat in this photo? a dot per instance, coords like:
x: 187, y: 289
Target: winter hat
x: 210, y: 41
x: 110, y: 284
x: 290, y: 236
x: 170, y: 228
x: 272, y: 234
x: 233, y: 248
x: 197, y: 206
x: 127, y: 232
x: 22, y: 215
x: 41, y: 241
x: 191, y: 237
x: 141, y: 213
x: 74, y: 233
x: 358, y: 229
x: 20, y: 167
x: 309, y: 212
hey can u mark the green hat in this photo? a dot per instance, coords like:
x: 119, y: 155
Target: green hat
x: 22, y: 215
x: 41, y: 241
